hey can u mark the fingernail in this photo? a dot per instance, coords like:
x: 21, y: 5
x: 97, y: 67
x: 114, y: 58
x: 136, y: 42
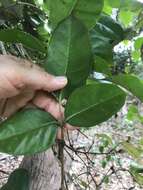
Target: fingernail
x: 61, y: 80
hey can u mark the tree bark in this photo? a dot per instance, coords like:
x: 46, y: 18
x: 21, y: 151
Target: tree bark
x: 44, y: 171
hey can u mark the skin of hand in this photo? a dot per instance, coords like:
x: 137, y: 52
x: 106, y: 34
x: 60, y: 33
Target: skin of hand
x: 22, y: 82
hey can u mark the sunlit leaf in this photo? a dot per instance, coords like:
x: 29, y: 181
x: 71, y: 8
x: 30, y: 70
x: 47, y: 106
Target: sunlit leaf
x: 131, y: 83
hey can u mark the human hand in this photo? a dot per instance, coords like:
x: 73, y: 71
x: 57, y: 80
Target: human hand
x: 22, y: 82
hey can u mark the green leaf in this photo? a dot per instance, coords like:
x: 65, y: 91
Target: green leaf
x: 17, y: 36
x: 111, y: 29
x: 138, y: 43
x: 133, y: 114
x: 18, y: 180
x: 137, y: 177
x: 131, y: 83
x: 136, y: 171
x: 65, y: 55
x: 101, y: 149
x: 126, y: 17
x: 106, y: 137
x: 136, y: 55
x: 59, y: 10
x: 106, y: 179
x: 9, y: 13
x: 104, y: 36
x: 101, y: 65
x: 88, y: 11
x: 132, y: 150
x: 132, y: 5
x: 141, y: 141
x: 104, y: 163
x: 136, y: 168
x: 28, y: 132
x: 107, y: 8
x: 93, y: 104
x: 83, y: 184
x: 115, y: 4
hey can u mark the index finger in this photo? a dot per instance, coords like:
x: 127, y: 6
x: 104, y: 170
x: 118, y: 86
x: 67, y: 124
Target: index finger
x: 38, y: 79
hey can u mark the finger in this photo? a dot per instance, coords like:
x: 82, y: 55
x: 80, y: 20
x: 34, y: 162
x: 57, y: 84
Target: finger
x: 38, y: 79
x: 15, y: 103
x: 49, y: 104
x: 52, y: 106
x: 16, y: 74
x: 7, y: 89
x: 2, y: 105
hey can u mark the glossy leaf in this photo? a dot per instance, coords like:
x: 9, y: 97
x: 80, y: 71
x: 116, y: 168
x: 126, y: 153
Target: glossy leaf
x: 17, y: 36
x: 101, y: 65
x: 59, y: 10
x: 109, y: 28
x: 93, y: 104
x: 27, y: 132
x: 88, y: 11
x: 131, y: 83
x: 65, y: 55
x: 104, y: 36
x: 18, y: 180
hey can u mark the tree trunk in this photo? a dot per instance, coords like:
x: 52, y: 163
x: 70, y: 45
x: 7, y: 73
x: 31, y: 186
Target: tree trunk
x: 44, y: 171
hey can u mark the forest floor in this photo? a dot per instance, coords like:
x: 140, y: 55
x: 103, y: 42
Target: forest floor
x: 88, y: 171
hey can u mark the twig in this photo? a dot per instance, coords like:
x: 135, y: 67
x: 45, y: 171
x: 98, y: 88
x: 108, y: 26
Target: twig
x: 82, y: 133
x: 91, y: 153
x: 1, y: 171
x: 62, y: 144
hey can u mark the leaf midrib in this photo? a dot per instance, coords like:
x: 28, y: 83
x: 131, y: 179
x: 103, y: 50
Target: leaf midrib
x: 68, y: 49
x: 24, y: 132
